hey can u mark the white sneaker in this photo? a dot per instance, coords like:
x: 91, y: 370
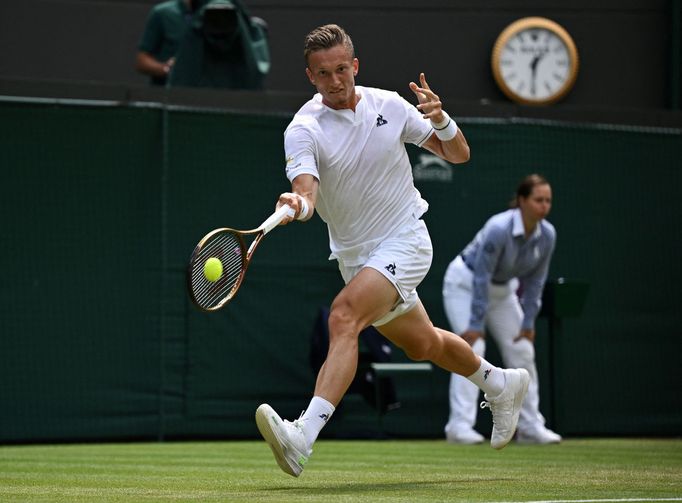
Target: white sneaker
x: 539, y: 435
x: 285, y: 438
x: 464, y: 435
x: 507, y: 406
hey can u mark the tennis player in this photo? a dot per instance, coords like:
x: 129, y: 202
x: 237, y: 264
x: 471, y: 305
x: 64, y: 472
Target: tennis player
x: 346, y: 158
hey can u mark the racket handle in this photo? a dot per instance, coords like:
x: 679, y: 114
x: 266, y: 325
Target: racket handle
x: 273, y: 220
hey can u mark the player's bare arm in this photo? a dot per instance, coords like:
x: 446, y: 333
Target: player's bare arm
x: 456, y: 149
x: 301, y: 199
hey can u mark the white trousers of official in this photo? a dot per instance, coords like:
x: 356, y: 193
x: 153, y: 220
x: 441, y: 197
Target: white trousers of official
x: 503, y: 322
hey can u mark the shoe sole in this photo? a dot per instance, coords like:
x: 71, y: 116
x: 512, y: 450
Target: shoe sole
x: 266, y: 419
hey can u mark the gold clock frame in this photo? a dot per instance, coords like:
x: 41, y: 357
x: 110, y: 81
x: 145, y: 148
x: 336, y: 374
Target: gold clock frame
x: 530, y: 23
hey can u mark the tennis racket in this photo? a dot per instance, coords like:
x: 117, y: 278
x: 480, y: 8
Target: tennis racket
x: 229, y: 247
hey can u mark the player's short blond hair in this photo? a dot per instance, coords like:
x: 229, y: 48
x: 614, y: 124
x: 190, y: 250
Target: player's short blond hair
x: 326, y: 37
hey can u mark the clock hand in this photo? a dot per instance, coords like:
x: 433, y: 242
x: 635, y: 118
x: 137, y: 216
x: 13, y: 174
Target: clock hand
x: 533, y: 71
x: 534, y: 63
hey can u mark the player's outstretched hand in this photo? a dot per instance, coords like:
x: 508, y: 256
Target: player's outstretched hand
x: 429, y: 102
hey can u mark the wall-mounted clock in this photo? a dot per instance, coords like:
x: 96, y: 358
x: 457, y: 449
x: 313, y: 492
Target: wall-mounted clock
x: 535, y: 61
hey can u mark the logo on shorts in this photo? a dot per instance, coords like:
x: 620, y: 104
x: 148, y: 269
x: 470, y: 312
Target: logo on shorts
x: 390, y: 268
x: 381, y: 121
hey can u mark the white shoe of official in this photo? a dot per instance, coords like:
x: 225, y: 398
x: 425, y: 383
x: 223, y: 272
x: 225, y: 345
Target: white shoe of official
x: 285, y: 438
x: 539, y: 435
x: 506, y: 407
x: 464, y: 435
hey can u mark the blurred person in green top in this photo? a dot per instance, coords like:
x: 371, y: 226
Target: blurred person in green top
x: 165, y: 29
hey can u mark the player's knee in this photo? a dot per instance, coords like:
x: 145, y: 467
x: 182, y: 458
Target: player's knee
x: 342, y: 321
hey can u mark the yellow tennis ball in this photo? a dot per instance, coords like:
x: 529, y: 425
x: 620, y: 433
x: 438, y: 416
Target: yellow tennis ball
x: 213, y: 269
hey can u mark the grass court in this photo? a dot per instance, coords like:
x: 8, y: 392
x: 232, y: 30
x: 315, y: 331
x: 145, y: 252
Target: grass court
x: 580, y: 470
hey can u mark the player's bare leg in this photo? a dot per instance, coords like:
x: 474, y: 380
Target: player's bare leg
x: 421, y: 340
x: 504, y: 389
x: 367, y: 297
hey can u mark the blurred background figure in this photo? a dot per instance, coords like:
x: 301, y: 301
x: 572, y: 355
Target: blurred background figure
x: 204, y: 43
x: 165, y: 29
x: 496, y: 284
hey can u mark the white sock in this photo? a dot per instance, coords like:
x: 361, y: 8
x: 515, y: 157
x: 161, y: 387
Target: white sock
x: 489, y: 378
x: 315, y: 417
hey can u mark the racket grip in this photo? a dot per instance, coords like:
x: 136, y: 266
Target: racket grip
x: 273, y: 220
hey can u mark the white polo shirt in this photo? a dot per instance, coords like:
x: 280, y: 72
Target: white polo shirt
x: 366, y: 190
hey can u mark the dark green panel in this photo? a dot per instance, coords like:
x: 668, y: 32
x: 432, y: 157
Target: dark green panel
x: 80, y: 283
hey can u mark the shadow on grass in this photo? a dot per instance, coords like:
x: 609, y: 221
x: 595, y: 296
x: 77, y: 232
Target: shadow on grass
x: 370, y: 487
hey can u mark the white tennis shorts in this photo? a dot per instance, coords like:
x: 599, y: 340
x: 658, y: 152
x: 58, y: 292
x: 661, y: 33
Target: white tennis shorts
x: 403, y: 259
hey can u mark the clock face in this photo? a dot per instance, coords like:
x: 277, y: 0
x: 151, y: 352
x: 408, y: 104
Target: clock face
x: 535, y: 62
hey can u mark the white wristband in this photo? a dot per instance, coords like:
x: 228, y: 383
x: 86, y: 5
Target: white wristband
x: 446, y: 129
x: 304, y: 208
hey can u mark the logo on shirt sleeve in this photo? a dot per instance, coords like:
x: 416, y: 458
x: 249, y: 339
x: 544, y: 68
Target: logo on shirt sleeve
x: 290, y: 163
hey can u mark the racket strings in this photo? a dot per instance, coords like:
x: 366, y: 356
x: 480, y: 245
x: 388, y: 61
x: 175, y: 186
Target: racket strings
x: 229, y: 249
